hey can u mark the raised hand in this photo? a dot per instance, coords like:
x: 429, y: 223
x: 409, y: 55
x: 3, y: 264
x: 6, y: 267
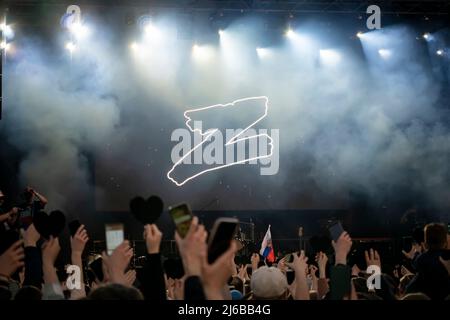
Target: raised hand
x: 130, y: 278
x: 342, y: 247
x: 79, y: 240
x: 12, y: 259
x: 178, y: 289
x: 152, y: 237
x: 416, y: 248
x: 300, y: 264
x: 31, y: 236
x: 255, y: 261
x: 282, y: 265
x: 192, y: 248
x: 312, y: 270
x: 322, y: 259
x: 404, y: 271
x: 117, y: 262
x: 50, y: 251
x: 355, y: 270
x: 243, y: 273
x: 372, y: 258
x: 216, y: 275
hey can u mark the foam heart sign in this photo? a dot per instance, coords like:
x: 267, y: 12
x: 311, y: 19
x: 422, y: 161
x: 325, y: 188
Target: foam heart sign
x: 146, y: 211
x: 57, y: 223
x: 41, y: 223
x: 49, y: 224
x: 138, y: 208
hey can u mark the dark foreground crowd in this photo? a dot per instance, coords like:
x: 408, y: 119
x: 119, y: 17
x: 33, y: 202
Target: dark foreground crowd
x: 28, y: 272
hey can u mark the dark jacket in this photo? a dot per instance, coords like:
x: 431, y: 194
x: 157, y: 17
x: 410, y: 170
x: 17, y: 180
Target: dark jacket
x: 432, y: 278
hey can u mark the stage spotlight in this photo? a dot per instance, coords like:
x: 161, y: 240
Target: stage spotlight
x: 7, y: 31
x: 221, y: 32
x: 202, y: 53
x: 360, y: 34
x: 153, y: 34
x: 290, y: 33
x: 4, y: 46
x: 78, y: 30
x: 151, y: 30
x: 134, y: 46
x: 71, y: 47
x: 384, y: 53
x: 143, y: 21
x: 427, y: 36
x: 440, y: 52
x: 263, y: 52
x: 329, y: 57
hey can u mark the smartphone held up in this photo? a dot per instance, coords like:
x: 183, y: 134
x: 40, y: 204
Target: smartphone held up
x: 114, y: 236
x: 222, y: 233
x: 182, y: 217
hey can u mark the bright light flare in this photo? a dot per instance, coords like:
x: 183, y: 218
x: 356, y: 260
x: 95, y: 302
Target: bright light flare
x: 330, y: 57
x: 385, y: 53
x: 152, y: 31
x: 71, y: 47
x: 5, y: 46
x: 202, y: 53
x: 427, y: 36
x: 290, y: 33
x: 360, y: 34
x: 263, y: 52
x: 440, y: 52
x: 78, y: 30
x: 134, y: 46
x: 7, y: 31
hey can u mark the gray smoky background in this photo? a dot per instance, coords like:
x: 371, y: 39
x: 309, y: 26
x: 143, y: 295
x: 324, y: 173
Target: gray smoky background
x: 362, y: 117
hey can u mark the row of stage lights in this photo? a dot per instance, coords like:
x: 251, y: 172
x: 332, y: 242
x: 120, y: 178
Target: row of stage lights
x: 79, y: 31
x: 289, y: 33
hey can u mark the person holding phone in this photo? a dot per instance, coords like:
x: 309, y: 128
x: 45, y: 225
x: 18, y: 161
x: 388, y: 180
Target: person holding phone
x: 78, y: 241
x: 8, y: 217
x: 204, y: 280
x: 4, y: 214
x: 32, y: 202
x: 153, y: 285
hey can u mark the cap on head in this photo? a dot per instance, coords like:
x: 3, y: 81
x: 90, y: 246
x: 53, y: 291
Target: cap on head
x: 268, y: 283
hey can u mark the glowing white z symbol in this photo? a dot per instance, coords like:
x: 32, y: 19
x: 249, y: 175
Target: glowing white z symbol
x: 234, y: 139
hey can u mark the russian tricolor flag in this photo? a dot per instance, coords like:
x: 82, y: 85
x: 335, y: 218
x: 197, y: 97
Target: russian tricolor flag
x: 266, y: 247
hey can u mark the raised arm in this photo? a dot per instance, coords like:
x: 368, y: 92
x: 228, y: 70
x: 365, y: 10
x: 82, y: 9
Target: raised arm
x: 191, y: 249
x: 77, y: 244
x: 300, y: 267
x: 340, y: 280
x: 33, y: 259
x: 7, y: 215
x: 52, y: 287
x: 153, y: 284
x: 41, y: 198
x: 116, y: 264
x: 322, y: 283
